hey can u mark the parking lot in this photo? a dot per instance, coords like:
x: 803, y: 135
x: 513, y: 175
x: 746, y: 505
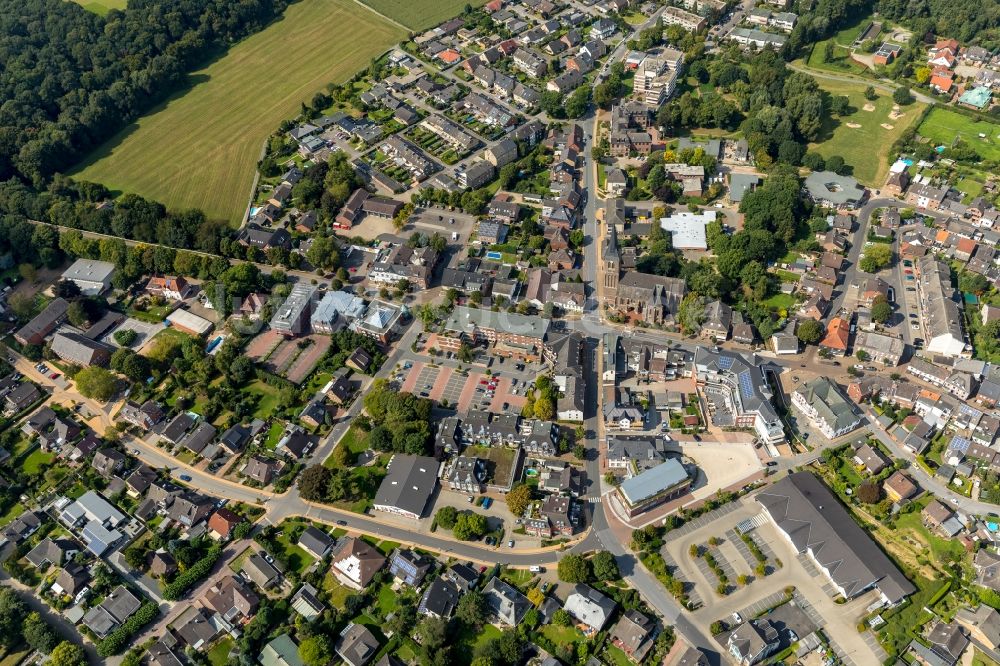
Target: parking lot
x: 473, y: 390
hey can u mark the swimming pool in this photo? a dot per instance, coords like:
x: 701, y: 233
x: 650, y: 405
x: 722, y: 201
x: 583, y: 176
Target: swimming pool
x: 494, y: 255
x: 214, y: 343
x: 908, y: 162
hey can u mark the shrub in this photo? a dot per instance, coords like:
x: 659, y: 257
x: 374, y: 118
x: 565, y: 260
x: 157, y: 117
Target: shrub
x: 194, y: 573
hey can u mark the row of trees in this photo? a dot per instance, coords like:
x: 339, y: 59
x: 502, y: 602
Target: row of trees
x: 21, y: 626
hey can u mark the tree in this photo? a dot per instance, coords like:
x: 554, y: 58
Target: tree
x: 470, y: 526
x: 471, y: 609
x: 38, y: 634
x: 67, y: 654
x: 97, y: 383
x: 519, y: 498
x: 691, y: 314
x: 316, y: 650
x: 810, y: 331
x: 870, y: 94
x: 877, y: 257
x: 446, y: 517
x: 574, y: 569
x: 881, y: 311
x: 66, y: 289
x: 22, y: 305
x: 544, y: 408
x: 313, y: 483
x: 604, y: 566
x: 862, y: 355
x: 578, y: 102
x: 835, y: 163
x: 562, y: 618
x: 902, y: 95
x: 868, y: 492
x: 125, y: 336
x: 973, y: 283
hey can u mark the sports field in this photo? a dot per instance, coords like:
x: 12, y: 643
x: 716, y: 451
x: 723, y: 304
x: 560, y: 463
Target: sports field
x: 942, y: 126
x: 199, y: 150
x: 420, y: 14
x: 863, y: 138
x: 102, y: 7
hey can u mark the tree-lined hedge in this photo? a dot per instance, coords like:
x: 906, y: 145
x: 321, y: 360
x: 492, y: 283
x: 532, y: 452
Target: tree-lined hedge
x: 118, y: 639
x: 193, y: 574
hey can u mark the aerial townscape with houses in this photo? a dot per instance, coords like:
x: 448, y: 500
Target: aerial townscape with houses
x: 510, y: 333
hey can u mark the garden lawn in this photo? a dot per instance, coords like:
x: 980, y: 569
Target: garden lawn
x: 298, y: 559
x: 205, y: 141
x: 268, y: 398
x: 616, y: 657
x: 12, y: 513
x: 943, y: 550
x: 970, y: 188
x: 274, y: 435
x: 780, y: 302
x: 219, y: 654
x: 356, y: 441
x: 37, y: 461
x: 942, y: 126
x: 562, y: 635
x: 865, y: 148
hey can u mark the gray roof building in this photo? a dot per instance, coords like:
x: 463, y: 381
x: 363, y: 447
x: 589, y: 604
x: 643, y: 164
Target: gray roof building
x: 408, y: 485
x: 816, y: 523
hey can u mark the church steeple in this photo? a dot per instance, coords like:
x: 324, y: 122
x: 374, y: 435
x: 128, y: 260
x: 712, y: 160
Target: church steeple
x: 611, y: 258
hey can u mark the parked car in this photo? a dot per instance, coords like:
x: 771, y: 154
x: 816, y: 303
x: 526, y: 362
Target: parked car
x: 510, y: 544
x: 186, y: 478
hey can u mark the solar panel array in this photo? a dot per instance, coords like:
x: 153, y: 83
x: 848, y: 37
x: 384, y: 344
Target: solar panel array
x: 746, y: 384
x: 726, y: 362
x: 959, y: 444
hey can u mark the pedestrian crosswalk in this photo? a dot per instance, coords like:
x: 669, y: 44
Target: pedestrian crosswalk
x: 594, y: 500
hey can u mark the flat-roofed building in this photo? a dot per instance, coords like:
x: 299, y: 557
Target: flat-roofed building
x: 292, y: 316
x: 91, y: 276
x: 668, y: 480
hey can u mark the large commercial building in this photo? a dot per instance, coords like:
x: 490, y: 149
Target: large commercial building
x: 292, y: 317
x: 657, y: 485
x: 92, y: 277
x: 513, y: 335
x: 687, y: 230
x: 742, y: 392
x: 814, y: 521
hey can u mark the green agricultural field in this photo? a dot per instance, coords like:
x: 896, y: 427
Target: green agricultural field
x: 200, y: 148
x: 103, y: 7
x: 942, y: 126
x: 420, y: 15
x: 865, y: 146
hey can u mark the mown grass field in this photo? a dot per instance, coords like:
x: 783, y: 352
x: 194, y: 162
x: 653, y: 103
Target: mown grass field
x: 103, y: 7
x: 423, y: 14
x: 200, y: 148
x: 865, y: 148
x: 941, y: 126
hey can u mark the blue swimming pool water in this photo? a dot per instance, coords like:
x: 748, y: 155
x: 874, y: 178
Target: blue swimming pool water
x: 494, y: 255
x: 214, y: 343
x: 907, y: 162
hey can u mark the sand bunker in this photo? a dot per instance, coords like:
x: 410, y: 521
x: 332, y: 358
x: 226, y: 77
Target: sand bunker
x: 887, y: 126
x: 868, y: 107
x: 853, y: 125
x: 895, y: 115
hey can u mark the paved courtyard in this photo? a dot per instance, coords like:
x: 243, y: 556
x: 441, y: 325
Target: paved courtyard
x: 838, y: 620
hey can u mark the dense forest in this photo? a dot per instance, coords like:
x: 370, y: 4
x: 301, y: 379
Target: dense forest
x: 70, y: 79
x: 969, y: 21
